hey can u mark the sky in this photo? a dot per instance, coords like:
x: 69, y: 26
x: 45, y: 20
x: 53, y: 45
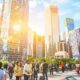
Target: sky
x: 66, y: 8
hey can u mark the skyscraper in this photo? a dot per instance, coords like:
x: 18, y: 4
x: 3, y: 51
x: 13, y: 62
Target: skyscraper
x: 38, y: 45
x: 4, y: 23
x: 1, y: 16
x: 19, y: 16
x: 74, y: 40
x: 5, y: 16
x: 52, y: 25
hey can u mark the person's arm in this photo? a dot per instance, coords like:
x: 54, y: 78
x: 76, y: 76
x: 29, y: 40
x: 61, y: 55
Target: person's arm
x: 4, y: 77
x: 25, y: 70
x: 41, y: 67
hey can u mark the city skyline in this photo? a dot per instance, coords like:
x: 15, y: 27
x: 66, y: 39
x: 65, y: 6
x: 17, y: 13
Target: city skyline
x: 67, y: 9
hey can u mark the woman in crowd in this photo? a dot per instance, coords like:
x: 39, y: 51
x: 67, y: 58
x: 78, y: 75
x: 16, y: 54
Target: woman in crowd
x: 18, y: 71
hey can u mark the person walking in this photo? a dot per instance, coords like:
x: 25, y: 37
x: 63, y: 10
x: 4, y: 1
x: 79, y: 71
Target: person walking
x: 62, y: 67
x: 51, y: 68
x: 6, y: 71
x: 10, y: 69
x: 17, y: 71
x: 44, y: 67
x: 27, y: 70
x: 35, y: 70
x: 2, y: 74
x: 77, y: 67
x: 66, y: 66
x: 21, y: 66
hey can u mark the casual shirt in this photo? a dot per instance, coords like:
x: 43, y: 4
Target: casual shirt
x: 1, y: 74
x: 27, y: 69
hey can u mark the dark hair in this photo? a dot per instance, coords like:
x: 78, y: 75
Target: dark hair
x: 17, y: 63
x: 0, y: 65
x: 5, y: 66
x: 44, y: 60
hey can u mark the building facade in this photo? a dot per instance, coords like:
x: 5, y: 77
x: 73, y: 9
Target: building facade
x: 38, y: 45
x: 74, y: 40
x: 5, y: 17
x: 19, y: 17
x: 52, y: 26
x: 15, y: 12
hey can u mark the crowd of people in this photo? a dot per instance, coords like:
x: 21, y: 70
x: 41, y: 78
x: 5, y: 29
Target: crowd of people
x: 30, y: 70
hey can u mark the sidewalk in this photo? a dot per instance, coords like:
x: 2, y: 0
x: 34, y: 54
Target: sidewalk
x: 60, y: 75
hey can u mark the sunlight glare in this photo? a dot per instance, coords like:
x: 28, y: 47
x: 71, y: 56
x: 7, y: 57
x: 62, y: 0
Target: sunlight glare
x: 39, y: 30
x: 17, y: 28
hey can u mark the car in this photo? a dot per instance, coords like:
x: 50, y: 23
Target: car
x: 69, y: 78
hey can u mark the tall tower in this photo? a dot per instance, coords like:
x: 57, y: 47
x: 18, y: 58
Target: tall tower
x: 5, y: 16
x: 52, y: 25
x: 19, y: 16
x: 1, y: 17
x: 38, y: 46
x: 5, y: 19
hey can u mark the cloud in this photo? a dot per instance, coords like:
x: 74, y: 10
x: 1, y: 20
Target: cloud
x: 61, y: 13
x: 77, y: 16
x: 40, y: 17
x: 62, y: 1
x: 46, y: 4
x: 36, y: 22
x: 32, y: 3
x: 55, y: 2
x: 77, y: 4
x: 40, y: 1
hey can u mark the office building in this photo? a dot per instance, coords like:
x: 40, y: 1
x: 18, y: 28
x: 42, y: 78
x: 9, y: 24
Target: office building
x: 52, y: 26
x: 19, y: 17
x: 5, y: 16
x: 15, y: 13
x: 74, y: 40
x: 38, y: 45
x: 30, y: 42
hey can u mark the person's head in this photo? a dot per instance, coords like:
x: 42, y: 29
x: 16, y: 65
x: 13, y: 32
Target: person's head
x: 0, y: 65
x: 17, y: 63
x: 12, y: 62
x: 5, y: 66
x: 44, y: 60
x: 28, y: 62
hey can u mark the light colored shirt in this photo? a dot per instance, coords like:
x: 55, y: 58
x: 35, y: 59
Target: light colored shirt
x: 27, y: 69
x: 77, y: 65
x: 6, y: 73
x: 17, y: 71
x: 1, y: 74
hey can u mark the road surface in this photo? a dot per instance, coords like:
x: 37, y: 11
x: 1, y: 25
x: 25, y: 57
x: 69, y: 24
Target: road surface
x: 60, y: 75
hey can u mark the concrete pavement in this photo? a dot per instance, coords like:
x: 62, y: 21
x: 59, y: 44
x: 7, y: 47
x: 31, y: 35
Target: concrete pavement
x: 60, y: 75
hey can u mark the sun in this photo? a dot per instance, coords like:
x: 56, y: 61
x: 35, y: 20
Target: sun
x: 17, y: 28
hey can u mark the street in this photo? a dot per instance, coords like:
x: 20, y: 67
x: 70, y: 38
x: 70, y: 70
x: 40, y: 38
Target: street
x: 60, y: 75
